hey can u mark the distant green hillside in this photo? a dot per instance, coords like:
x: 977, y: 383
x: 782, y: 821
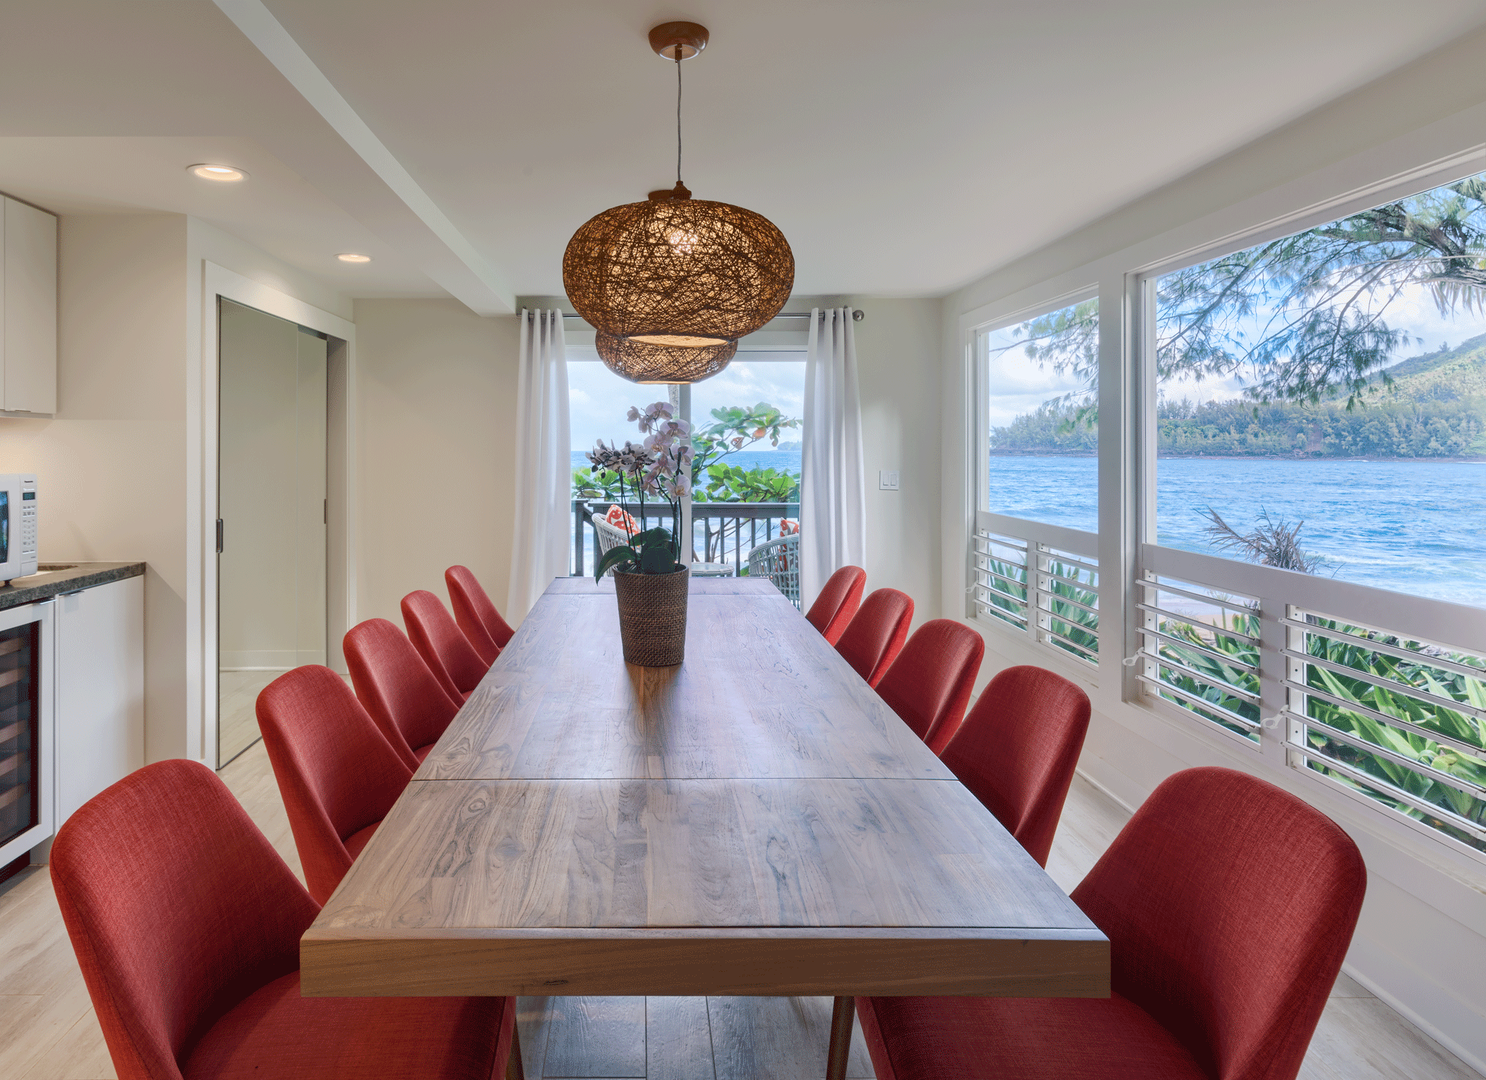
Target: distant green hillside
x: 1435, y: 407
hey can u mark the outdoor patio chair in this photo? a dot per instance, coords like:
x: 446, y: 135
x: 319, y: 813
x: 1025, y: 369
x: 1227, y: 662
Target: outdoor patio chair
x: 778, y: 561
x: 608, y: 537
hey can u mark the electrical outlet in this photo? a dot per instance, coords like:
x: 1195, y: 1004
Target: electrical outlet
x: 887, y: 479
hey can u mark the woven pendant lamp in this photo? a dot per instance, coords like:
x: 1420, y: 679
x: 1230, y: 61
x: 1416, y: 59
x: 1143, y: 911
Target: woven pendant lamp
x: 645, y: 362
x: 673, y: 282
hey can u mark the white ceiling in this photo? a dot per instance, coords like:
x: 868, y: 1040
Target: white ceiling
x: 904, y: 148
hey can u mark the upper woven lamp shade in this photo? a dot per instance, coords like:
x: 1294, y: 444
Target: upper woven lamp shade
x: 678, y: 273
x: 642, y: 362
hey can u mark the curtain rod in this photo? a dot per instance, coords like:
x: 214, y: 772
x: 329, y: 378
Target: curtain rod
x: 856, y: 316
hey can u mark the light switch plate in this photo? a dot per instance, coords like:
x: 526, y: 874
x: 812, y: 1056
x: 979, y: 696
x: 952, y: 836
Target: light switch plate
x: 887, y: 479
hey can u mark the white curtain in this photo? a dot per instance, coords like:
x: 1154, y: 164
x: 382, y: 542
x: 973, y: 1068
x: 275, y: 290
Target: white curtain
x: 539, y: 550
x: 833, y: 486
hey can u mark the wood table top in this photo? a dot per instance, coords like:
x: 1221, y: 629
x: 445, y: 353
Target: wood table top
x: 755, y: 821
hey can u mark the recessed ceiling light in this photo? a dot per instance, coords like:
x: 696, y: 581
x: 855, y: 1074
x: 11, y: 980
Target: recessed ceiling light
x: 351, y: 256
x: 223, y: 174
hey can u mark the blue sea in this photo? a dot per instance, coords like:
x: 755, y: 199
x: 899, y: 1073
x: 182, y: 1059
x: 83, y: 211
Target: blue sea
x: 1411, y: 526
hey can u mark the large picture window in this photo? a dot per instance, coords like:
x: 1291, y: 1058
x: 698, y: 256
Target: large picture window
x: 746, y: 436
x: 1320, y: 410
x: 1308, y: 438
x: 1036, y: 540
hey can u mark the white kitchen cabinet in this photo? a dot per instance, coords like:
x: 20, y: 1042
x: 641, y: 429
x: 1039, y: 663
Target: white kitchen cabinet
x: 100, y: 689
x: 28, y: 309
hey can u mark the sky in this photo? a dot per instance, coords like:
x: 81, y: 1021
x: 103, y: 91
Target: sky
x: 1019, y: 385
x: 598, y: 399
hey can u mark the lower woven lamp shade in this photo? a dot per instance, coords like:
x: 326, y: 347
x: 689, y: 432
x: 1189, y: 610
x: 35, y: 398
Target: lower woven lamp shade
x: 643, y: 362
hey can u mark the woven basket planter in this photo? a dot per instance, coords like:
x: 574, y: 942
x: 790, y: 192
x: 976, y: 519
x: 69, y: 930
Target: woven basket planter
x: 652, y: 617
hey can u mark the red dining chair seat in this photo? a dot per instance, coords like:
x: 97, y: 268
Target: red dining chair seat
x: 408, y: 703
x: 876, y: 634
x: 476, y: 614
x: 929, y: 684
x: 1229, y: 905
x: 1017, y: 749
x: 186, y: 925
x: 948, y: 1038
x: 337, y: 773
x: 276, y: 1033
x: 443, y: 646
x: 837, y: 602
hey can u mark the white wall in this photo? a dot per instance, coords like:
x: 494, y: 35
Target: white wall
x: 1421, y: 941
x: 111, y: 464
x: 437, y: 434
x: 897, y: 360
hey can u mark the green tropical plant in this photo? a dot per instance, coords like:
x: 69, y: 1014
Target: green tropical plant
x: 1201, y: 675
x: 592, y: 483
x: 733, y: 483
x: 1070, y: 590
x: 1413, y: 691
x: 735, y: 428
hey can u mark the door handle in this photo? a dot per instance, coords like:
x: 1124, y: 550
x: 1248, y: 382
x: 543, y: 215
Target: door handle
x: 219, y: 536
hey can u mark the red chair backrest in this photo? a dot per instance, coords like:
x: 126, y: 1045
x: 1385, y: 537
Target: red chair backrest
x: 1229, y: 905
x: 395, y: 686
x: 443, y: 646
x: 177, y: 907
x: 337, y: 773
x: 475, y: 614
x: 837, y: 602
x: 1017, y: 749
x: 929, y: 684
x: 876, y: 634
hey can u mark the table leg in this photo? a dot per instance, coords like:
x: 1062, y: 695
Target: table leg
x: 515, y: 1070
x: 841, y: 1018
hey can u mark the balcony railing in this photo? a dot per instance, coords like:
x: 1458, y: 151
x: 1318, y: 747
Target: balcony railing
x: 721, y: 532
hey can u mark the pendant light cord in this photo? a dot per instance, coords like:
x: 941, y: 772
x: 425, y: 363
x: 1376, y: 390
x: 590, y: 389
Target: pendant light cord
x: 678, y: 114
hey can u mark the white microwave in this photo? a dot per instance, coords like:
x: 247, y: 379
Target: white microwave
x: 17, y: 525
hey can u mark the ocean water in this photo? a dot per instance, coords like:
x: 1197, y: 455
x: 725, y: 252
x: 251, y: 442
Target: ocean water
x: 1412, y: 526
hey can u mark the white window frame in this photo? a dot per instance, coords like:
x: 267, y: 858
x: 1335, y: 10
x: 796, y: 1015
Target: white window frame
x: 1044, y: 543
x: 1281, y: 594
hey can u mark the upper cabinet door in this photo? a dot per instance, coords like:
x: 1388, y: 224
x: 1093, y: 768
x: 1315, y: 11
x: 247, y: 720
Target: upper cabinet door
x: 29, y: 312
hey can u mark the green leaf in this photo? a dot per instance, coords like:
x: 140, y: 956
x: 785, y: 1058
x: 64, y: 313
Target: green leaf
x: 614, y: 557
x: 649, y: 537
x: 657, y: 560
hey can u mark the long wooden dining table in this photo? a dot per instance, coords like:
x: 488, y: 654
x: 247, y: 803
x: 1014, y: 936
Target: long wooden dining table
x: 755, y: 821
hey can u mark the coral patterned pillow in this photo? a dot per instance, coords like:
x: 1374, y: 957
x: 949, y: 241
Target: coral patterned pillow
x: 788, y: 527
x: 622, y: 519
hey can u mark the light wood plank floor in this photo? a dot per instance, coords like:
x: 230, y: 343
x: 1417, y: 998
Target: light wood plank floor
x: 48, y: 1030
x: 237, y: 699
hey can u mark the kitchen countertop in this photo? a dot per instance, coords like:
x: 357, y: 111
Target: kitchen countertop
x: 54, y: 579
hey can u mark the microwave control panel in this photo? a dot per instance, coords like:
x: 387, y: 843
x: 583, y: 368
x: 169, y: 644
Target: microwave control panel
x: 28, y: 521
x: 27, y: 526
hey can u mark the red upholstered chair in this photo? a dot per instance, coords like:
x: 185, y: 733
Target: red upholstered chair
x: 441, y: 643
x: 337, y: 773
x: 475, y: 614
x: 1229, y: 905
x: 1017, y: 749
x: 929, y: 684
x: 395, y: 686
x: 876, y: 634
x: 837, y: 602
x: 186, y: 925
